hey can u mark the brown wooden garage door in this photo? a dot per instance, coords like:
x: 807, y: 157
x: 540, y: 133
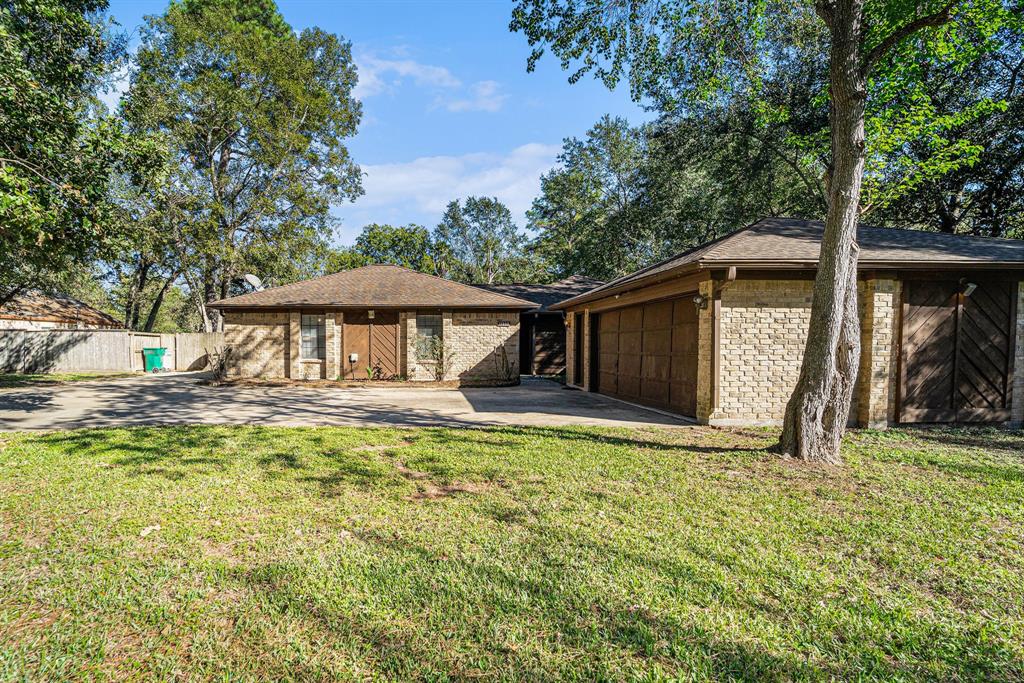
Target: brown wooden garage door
x: 957, y: 351
x: 648, y: 354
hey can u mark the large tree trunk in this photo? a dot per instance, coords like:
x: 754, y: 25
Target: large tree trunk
x: 819, y: 408
x: 157, y: 303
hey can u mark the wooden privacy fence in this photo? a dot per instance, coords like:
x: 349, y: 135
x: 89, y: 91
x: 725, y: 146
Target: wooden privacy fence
x: 29, y: 351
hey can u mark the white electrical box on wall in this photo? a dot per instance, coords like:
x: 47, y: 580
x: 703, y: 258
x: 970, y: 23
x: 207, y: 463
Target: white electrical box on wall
x: 353, y: 358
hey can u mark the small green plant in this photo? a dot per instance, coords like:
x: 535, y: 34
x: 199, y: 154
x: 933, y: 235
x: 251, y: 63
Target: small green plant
x: 434, y: 351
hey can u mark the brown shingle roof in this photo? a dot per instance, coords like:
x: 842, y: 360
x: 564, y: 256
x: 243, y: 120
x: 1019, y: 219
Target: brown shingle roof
x: 547, y: 295
x: 35, y: 306
x: 793, y: 243
x: 376, y: 286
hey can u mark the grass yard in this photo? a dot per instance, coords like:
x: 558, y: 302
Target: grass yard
x: 526, y: 554
x: 10, y: 381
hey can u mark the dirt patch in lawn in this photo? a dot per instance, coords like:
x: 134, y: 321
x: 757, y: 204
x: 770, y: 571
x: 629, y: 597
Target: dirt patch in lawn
x: 428, y: 490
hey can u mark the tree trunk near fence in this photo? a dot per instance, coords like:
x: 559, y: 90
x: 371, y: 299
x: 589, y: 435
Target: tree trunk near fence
x: 157, y: 303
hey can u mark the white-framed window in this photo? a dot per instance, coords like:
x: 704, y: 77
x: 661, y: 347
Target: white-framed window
x: 314, y: 337
x: 429, y: 326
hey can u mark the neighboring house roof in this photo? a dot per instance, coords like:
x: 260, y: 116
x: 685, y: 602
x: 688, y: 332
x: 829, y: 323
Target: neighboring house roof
x: 56, y: 308
x: 794, y: 243
x: 547, y: 295
x: 376, y: 286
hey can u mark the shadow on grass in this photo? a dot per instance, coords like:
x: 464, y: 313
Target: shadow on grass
x: 588, y: 634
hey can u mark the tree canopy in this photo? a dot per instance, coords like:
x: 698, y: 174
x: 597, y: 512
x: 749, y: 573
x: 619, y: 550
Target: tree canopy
x: 256, y: 117
x: 58, y: 153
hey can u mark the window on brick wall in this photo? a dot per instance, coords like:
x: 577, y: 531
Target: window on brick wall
x: 314, y: 337
x: 429, y: 332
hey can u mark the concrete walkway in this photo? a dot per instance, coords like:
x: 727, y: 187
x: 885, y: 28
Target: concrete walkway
x: 179, y: 399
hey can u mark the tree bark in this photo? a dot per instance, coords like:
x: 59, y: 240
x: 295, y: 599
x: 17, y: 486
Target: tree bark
x: 819, y: 408
x: 157, y: 303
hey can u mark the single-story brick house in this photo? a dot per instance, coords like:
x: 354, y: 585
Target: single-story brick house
x: 718, y: 332
x: 542, y: 330
x: 377, y: 321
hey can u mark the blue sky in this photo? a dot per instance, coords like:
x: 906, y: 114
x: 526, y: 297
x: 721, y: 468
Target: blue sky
x: 448, y: 107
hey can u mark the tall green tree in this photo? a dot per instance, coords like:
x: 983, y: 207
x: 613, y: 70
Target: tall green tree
x: 401, y: 245
x: 587, y: 213
x: 257, y: 117
x: 478, y: 242
x: 57, y: 153
x: 685, y: 54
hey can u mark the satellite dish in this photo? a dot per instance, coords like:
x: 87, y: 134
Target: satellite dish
x: 256, y: 283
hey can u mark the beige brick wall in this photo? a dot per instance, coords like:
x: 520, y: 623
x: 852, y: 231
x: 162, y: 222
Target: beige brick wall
x: 485, y: 344
x: 875, y: 396
x: 475, y: 340
x: 1017, y: 399
x: 763, y: 330
x: 259, y: 344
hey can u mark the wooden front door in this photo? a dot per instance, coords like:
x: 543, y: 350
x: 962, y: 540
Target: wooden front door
x: 648, y: 354
x: 375, y: 343
x: 956, y: 360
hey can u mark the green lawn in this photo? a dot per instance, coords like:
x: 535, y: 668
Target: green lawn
x: 8, y: 380
x: 533, y: 554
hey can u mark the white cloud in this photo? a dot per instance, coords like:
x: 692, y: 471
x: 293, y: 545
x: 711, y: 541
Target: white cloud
x: 485, y: 96
x: 381, y: 75
x: 419, y: 190
x: 378, y: 76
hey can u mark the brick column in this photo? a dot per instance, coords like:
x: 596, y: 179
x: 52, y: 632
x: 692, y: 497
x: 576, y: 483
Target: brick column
x: 877, y: 380
x: 294, y: 344
x: 705, y: 353
x: 570, y: 348
x: 448, y: 335
x: 331, y: 339
x: 412, y: 369
x: 1017, y: 398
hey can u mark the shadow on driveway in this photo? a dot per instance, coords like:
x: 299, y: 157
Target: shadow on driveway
x: 179, y: 399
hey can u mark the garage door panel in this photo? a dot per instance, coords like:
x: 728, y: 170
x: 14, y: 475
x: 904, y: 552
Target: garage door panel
x: 631, y: 318
x: 654, y: 391
x: 629, y: 365
x: 630, y: 342
x: 648, y: 354
x: 657, y: 368
x: 609, y: 382
x: 684, y: 311
x: 608, y: 322
x: 657, y: 341
x: 659, y: 313
x: 629, y: 387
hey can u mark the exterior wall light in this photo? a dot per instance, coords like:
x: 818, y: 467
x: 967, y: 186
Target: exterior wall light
x: 700, y: 301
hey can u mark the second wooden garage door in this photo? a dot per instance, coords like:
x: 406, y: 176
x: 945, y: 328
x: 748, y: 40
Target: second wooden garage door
x: 648, y: 354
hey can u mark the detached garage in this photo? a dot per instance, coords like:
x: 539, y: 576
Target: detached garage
x: 717, y: 333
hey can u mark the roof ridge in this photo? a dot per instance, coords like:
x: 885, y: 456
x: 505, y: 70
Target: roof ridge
x: 451, y: 282
x: 498, y: 299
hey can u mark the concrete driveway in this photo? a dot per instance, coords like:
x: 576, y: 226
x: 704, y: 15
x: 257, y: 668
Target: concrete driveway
x: 179, y: 399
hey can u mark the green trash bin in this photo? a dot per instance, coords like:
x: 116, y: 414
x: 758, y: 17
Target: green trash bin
x: 154, y: 358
